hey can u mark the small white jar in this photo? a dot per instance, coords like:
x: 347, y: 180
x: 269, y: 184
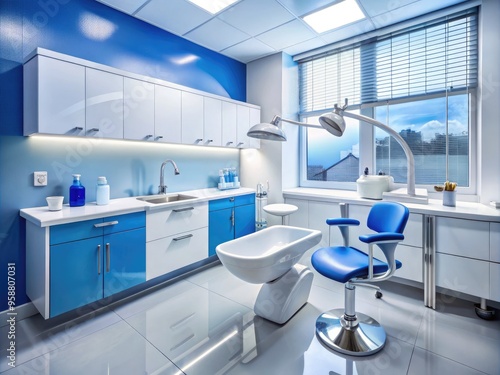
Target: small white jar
x: 102, y: 191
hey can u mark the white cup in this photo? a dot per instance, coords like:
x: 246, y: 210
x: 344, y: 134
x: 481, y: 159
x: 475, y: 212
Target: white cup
x: 55, y: 203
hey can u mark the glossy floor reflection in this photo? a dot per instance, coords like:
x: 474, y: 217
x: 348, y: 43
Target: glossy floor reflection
x: 204, y: 324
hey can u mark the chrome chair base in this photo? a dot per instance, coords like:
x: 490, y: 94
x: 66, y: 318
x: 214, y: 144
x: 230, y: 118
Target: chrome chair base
x: 361, y: 337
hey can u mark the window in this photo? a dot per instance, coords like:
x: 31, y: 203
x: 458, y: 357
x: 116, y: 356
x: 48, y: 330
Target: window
x: 420, y: 81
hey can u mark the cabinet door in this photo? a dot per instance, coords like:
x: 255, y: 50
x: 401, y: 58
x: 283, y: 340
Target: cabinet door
x: 192, y: 118
x: 228, y: 124
x: 60, y: 96
x: 495, y: 242
x: 221, y: 228
x: 76, y: 274
x: 168, y: 122
x: 212, y: 129
x: 103, y: 104
x: 242, y: 126
x: 318, y: 213
x: 124, y: 260
x: 138, y: 110
x: 244, y: 220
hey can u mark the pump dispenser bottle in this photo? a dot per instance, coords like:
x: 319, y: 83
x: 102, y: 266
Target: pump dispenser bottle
x: 76, y: 192
x: 102, y: 191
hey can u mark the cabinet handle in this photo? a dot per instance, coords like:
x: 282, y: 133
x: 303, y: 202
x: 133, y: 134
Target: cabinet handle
x: 229, y: 143
x: 108, y: 258
x: 199, y: 140
x: 184, y: 209
x: 232, y: 217
x: 231, y: 199
x: 159, y: 137
x: 210, y: 141
x: 94, y: 130
x: 78, y: 128
x: 183, y: 237
x: 98, y: 259
x: 106, y: 224
x: 240, y: 144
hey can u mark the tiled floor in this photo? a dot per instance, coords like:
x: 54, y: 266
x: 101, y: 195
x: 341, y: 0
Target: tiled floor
x: 204, y: 324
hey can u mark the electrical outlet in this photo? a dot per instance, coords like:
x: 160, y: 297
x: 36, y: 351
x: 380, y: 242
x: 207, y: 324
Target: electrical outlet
x: 40, y: 178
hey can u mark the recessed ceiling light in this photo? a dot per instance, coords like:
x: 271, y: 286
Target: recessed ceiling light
x: 335, y: 16
x: 213, y: 6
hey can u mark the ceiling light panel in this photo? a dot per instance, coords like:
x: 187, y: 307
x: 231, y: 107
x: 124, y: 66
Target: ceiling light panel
x: 335, y: 16
x: 213, y: 6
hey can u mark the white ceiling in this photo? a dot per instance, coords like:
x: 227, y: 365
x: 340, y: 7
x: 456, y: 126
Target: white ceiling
x: 251, y: 29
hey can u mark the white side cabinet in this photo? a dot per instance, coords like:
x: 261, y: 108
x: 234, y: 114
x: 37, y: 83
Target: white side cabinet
x: 228, y: 124
x: 175, y: 238
x: 103, y: 104
x: 54, y: 97
x: 168, y: 121
x: 138, y: 110
x: 242, y: 126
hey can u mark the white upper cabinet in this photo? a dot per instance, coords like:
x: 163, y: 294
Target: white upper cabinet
x: 103, y: 104
x: 242, y: 126
x: 168, y: 120
x: 54, y: 97
x: 228, y: 124
x: 192, y: 118
x: 138, y: 109
x: 212, y: 128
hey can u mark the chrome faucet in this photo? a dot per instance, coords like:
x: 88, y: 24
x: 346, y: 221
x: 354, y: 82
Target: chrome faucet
x: 162, y: 189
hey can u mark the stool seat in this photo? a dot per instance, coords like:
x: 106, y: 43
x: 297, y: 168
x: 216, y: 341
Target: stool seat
x: 280, y: 209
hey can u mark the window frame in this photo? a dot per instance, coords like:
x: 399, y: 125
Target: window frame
x: 367, y: 143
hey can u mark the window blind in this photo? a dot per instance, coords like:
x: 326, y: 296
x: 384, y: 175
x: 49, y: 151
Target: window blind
x: 430, y: 58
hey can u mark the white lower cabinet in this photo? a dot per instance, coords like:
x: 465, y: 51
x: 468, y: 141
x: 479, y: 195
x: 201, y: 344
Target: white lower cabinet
x: 466, y: 275
x: 175, y: 238
x: 495, y: 281
x: 171, y: 253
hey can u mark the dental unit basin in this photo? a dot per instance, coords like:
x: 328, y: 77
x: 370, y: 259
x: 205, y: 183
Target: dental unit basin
x: 163, y: 198
x: 270, y: 257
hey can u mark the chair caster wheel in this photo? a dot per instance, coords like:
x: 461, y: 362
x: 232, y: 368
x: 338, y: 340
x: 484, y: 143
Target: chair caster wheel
x: 378, y: 294
x: 486, y: 314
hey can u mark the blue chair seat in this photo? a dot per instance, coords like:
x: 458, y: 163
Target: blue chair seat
x: 342, y: 263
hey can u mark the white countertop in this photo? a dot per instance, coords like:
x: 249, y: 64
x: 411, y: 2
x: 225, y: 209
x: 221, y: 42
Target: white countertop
x: 463, y: 210
x: 41, y: 216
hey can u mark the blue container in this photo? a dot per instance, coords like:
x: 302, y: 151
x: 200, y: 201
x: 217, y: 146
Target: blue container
x: 76, y: 192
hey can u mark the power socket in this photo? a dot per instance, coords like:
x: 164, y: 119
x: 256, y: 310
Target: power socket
x: 40, y: 178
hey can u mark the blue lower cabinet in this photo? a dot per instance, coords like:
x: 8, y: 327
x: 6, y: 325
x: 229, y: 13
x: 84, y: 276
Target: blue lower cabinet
x: 84, y: 270
x: 230, y: 218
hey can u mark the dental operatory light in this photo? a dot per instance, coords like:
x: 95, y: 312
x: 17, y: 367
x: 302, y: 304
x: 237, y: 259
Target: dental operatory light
x: 334, y: 123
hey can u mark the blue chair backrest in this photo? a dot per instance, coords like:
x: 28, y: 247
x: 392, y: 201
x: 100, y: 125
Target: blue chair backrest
x: 388, y: 217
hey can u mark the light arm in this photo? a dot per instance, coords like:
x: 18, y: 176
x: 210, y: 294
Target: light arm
x: 399, y: 139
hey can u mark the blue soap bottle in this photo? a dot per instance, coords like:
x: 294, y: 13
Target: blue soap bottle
x: 76, y: 192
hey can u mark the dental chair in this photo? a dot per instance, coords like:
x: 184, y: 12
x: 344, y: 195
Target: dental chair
x: 344, y: 330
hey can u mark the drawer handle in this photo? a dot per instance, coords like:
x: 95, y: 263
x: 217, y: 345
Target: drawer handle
x: 183, y: 320
x: 184, y: 209
x: 98, y: 259
x: 182, y: 342
x: 183, y: 237
x: 231, y: 199
x: 108, y: 257
x: 106, y: 224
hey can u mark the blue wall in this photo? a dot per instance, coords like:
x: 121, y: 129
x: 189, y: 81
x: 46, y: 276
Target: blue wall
x: 132, y: 168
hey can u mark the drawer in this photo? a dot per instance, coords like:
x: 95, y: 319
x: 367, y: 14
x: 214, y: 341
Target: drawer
x: 75, y: 231
x: 171, y: 253
x: 495, y: 282
x: 464, y: 275
x: 229, y: 202
x: 185, y: 218
x: 495, y: 242
x: 124, y: 222
x: 468, y: 238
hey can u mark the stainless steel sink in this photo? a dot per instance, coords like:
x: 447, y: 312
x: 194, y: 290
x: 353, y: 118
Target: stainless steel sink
x: 158, y: 199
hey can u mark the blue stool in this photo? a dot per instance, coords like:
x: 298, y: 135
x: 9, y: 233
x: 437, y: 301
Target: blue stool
x: 344, y: 330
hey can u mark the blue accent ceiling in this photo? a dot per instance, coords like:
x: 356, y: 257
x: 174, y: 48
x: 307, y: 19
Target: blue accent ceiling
x: 93, y: 31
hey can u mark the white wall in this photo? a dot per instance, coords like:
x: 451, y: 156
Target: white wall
x: 272, y: 83
x: 489, y: 102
